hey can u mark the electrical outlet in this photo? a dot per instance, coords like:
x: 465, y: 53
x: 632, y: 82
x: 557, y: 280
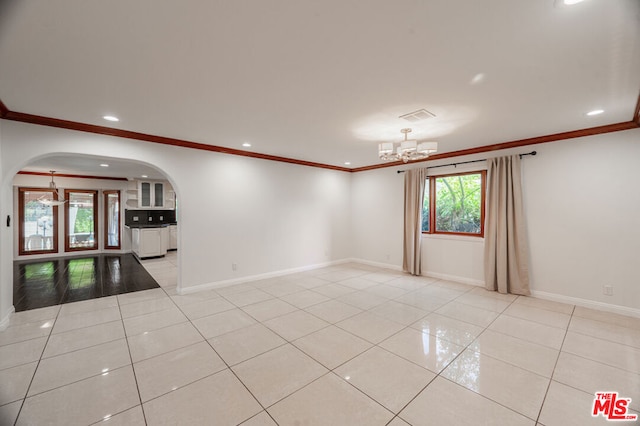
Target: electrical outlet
x: 150, y: 219
x: 607, y: 290
x: 234, y: 266
x: 135, y: 218
x: 161, y: 217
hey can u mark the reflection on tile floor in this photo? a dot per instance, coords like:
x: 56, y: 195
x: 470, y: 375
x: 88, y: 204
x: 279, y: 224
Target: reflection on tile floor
x: 54, y: 281
x: 344, y: 345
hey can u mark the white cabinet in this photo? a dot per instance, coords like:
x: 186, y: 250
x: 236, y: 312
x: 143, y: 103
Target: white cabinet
x: 149, y: 242
x: 147, y: 194
x: 173, y: 237
x: 151, y: 194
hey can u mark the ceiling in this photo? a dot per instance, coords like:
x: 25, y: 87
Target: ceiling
x: 85, y: 165
x: 324, y: 81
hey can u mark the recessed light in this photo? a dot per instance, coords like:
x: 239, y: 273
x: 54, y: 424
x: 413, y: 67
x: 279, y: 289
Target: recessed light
x: 565, y: 3
x: 477, y: 79
x: 110, y: 118
x: 347, y: 163
x: 144, y: 176
x: 595, y: 112
x: 246, y: 144
x: 104, y: 165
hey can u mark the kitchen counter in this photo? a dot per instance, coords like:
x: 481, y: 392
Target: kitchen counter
x: 149, y: 225
x: 153, y: 240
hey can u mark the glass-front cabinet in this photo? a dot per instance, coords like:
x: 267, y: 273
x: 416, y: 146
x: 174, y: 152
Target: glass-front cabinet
x: 151, y: 194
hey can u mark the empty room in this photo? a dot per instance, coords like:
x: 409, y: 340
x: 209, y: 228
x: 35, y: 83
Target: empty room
x: 419, y: 212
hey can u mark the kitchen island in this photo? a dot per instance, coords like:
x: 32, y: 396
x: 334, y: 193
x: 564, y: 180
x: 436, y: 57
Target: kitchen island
x: 153, y: 240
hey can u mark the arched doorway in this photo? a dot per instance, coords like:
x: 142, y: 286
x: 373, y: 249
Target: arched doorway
x: 91, y: 233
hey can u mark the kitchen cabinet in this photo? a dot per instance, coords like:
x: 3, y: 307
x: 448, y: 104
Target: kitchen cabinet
x: 151, y: 194
x: 146, y: 194
x: 149, y: 242
x: 173, y: 237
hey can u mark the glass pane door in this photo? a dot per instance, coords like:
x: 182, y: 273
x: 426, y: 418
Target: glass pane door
x: 38, y: 221
x: 81, y: 215
x: 145, y: 194
x: 158, y: 198
x: 112, y: 219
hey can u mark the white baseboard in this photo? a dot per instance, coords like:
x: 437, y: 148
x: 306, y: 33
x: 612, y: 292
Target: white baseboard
x: 258, y: 277
x: 617, y: 309
x: 376, y: 264
x: 461, y: 280
x: 585, y: 303
x: 4, y: 323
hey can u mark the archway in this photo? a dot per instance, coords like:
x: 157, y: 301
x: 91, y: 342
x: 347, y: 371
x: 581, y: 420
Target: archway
x: 73, y: 164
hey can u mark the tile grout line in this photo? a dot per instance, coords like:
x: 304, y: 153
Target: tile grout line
x: 439, y: 374
x: 544, y: 398
x: 387, y: 299
x: 228, y: 367
x: 24, y: 400
x: 135, y: 377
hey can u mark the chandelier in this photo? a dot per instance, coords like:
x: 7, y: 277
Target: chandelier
x: 407, y: 150
x: 52, y: 201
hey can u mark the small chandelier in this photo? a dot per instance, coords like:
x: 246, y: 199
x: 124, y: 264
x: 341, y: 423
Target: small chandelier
x: 52, y: 201
x: 407, y: 150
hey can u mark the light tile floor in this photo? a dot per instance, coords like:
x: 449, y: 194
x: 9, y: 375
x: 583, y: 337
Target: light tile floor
x: 343, y: 345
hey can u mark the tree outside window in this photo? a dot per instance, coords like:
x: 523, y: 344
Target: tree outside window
x: 454, y: 204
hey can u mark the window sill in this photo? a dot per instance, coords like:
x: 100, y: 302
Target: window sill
x: 469, y: 238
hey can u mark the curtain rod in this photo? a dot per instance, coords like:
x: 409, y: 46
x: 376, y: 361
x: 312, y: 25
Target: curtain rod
x: 467, y: 162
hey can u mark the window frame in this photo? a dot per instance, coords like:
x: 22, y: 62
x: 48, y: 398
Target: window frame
x: 67, y: 245
x: 105, y: 195
x: 21, y: 211
x: 430, y: 189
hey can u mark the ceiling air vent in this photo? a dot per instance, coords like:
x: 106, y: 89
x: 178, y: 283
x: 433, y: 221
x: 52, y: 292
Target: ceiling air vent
x: 419, y: 115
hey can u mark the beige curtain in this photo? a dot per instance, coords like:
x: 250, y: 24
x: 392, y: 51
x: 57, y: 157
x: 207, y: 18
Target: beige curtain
x: 414, y: 183
x: 506, y: 267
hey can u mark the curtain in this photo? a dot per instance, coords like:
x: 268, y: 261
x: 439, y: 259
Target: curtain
x: 414, y: 183
x: 112, y: 220
x: 506, y: 254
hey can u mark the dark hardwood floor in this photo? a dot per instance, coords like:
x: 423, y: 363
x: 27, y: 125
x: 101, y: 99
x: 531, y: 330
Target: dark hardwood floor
x: 54, y: 281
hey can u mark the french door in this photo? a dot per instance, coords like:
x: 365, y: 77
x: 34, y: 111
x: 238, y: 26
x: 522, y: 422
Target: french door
x: 111, y: 220
x: 81, y: 215
x: 38, y: 221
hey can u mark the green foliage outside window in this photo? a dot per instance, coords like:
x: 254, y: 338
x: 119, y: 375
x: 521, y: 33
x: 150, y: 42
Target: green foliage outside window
x: 84, y: 221
x: 458, y: 202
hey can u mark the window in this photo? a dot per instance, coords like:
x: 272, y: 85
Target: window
x: 82, y: 216
x: 38, y: 222
x: 454, y: 204
x: 112, y: 219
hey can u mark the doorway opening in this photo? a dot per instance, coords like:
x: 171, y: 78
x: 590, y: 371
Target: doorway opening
x: 75, y: 241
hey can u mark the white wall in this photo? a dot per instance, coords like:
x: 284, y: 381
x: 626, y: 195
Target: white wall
x: 582, y: 204
x: 262, y: 215
x: 378, y: 208
x: 581, y: 200
x: 377, y: 205
x: 6, y: 268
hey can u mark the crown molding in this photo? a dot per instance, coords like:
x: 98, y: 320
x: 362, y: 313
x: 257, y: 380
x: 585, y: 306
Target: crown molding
x: 7, y: 114
x: 3, y: 109
x: 24, y: 172
x: 609, y: 128
x: 110, y: 131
